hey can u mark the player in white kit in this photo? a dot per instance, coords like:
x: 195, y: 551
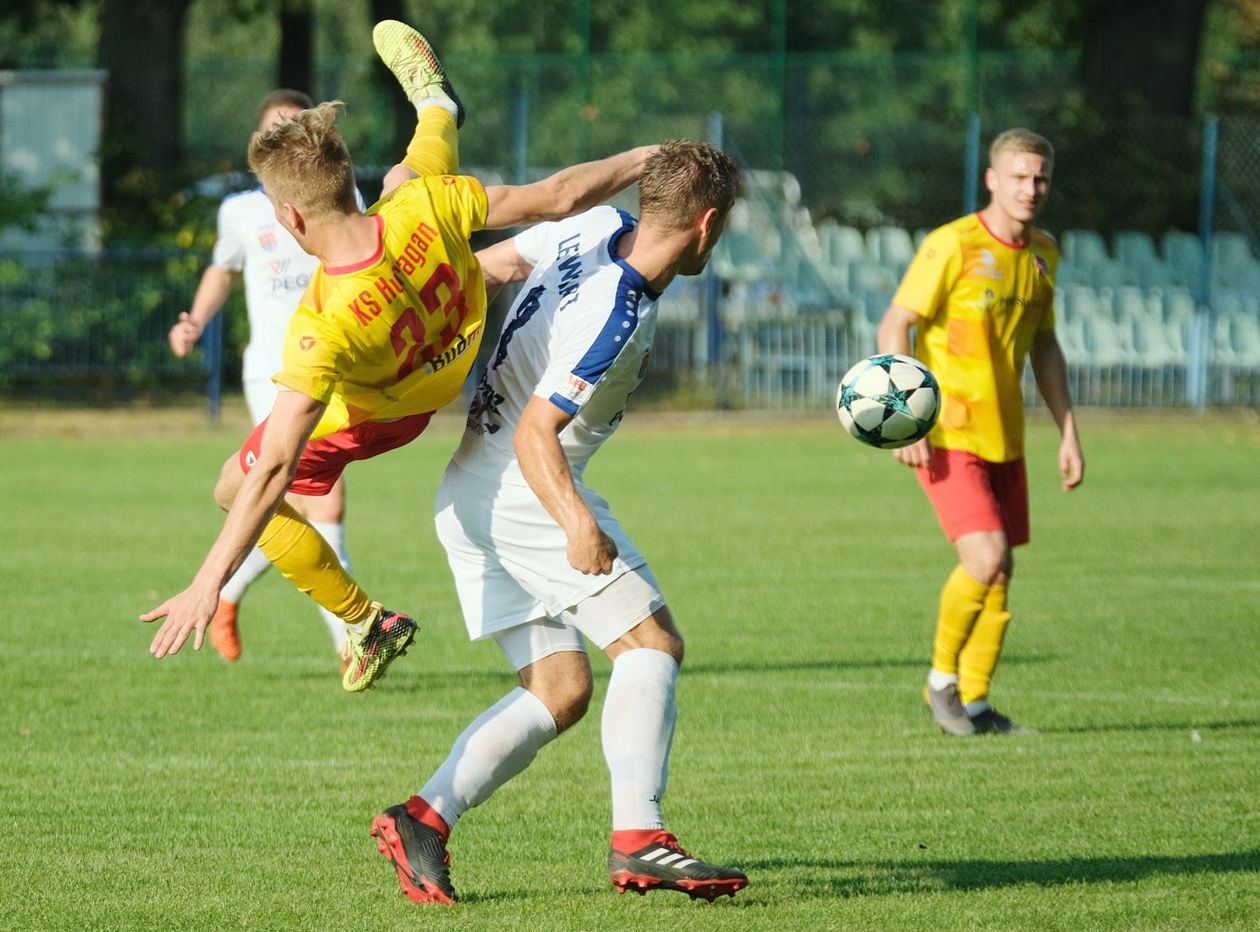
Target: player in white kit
x: 250, y: 243
x: 539, y: 560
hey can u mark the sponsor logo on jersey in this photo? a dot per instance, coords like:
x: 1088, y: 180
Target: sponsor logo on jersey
x: 268, y: 239
x: 988, y: 267
x: 306, y: 342
x: 1042, y: 269
x: 576, y: 389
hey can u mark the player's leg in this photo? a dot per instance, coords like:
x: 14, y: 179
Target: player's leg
x: 554, y: 691
x: 628, y: 618
x: 326, y: 513
x: 434, y: 148
x: 957, y: 485
x: 260, y: 394
x: 979, y: 657
x: 376, y: 635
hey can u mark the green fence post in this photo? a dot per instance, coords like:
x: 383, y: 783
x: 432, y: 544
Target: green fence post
x: 213, y: 340
x: 1200, y: 348
x: 971, y: 165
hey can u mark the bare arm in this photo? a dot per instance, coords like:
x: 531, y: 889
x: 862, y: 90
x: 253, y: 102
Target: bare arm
x: 1050, y: 368
x: 893, y: 336
x: 567, y: 192
x: 261, y: 491
x: 502, y: 264
x: 212, y: 292
x: 546, y: 469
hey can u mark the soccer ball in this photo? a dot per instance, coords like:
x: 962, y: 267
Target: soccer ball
x: 888, y: 401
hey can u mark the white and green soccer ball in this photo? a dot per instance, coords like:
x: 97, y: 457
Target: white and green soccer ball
x: 888, y: 400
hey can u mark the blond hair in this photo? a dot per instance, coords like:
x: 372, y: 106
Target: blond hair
x: 1019, y: 139
x: 681, y: 179
x: 304, y: 162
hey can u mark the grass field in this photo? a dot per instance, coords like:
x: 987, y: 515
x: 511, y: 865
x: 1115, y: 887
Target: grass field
x: 803, y: 570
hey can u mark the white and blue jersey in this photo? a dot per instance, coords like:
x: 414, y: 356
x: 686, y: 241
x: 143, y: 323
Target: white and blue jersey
x: 578, y: 334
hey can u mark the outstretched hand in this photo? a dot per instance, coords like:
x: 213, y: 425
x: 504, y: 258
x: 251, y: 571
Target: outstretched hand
x: 916, y: 455
x: 186, y: 613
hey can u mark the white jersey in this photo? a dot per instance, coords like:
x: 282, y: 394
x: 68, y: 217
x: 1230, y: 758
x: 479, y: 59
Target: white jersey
x: 276, y: 272
x: 578, y: 334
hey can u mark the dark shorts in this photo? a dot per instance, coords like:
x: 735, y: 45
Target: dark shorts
x: 324, y: 460
x: 971, y: 494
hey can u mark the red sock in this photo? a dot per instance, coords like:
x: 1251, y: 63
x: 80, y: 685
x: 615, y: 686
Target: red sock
x: 630, y: 840
x: 418, y: 809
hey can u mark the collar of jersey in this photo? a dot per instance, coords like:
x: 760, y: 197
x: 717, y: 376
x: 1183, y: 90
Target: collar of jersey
x: 636, y: 277
x: 370, y: 260
x: 980, y: 217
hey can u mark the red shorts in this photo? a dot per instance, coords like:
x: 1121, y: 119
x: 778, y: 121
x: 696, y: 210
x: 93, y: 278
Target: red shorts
x: 971, y: 494
x: 324, y: 460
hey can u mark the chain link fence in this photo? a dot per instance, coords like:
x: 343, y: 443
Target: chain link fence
x: 851, y: 158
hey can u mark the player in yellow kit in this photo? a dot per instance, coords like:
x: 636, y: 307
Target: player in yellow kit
x: 979, y: 295
x: 384, y: 335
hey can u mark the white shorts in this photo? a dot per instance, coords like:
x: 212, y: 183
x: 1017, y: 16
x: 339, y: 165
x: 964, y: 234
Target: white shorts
x: 602, y: 617
x: 260, y: 396
x: 508, y: 555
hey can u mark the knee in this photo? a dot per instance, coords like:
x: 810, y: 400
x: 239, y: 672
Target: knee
x: 229, y: 483
x: 565, y: 691
x: 568, y: 703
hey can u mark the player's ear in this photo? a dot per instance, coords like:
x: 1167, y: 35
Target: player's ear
x: 990, y: 179
x: 707, y: 221
x: 293, y: 218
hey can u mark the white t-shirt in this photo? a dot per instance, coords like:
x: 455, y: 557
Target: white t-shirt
x: 578, y: 334
x: 276, y: 272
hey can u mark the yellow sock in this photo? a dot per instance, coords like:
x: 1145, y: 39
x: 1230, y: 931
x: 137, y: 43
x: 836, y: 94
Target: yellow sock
x: 434, y: 148
x: 304, y: 558
x: 980, y: 654
x: 961, y: 602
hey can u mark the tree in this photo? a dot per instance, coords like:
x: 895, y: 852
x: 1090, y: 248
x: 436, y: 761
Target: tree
x: 141, y: 46
x: 1141, y: 55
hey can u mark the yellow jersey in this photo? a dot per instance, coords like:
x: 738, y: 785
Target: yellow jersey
x: 396, y: 334
x: 982, y: 301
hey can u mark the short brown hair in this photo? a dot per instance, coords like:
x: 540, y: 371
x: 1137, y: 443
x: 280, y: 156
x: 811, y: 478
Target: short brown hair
x: 684, y: 177
x: 284, y: 97
x: 304, y: 162
x: 1019, y: 139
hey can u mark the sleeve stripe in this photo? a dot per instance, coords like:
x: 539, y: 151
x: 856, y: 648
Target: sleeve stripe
x: 564, y: 404
x: 614, y: 335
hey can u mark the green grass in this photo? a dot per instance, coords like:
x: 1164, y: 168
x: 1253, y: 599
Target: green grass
x: 804, y: 571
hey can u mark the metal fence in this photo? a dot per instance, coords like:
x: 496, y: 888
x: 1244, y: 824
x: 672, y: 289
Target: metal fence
x: 851, y: 158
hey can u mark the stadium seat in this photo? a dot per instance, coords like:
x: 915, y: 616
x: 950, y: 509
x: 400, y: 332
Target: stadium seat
x: 840, y: 244
x: 1184, y: 254
x: 1106, y: 273
x: 1154, y: 272
x: 867, y: 277
x: 1084, y: 248
x: 1134, y: 248
x: 1233, y: 264
x: 738, y: 256
x: 1108, y: 343
x: 890, y: 246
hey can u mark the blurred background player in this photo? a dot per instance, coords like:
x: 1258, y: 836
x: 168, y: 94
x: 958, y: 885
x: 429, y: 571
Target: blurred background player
x: 384, y: 335
x: 252, y: 243
x: 539, y: 560
x: 979, y: 296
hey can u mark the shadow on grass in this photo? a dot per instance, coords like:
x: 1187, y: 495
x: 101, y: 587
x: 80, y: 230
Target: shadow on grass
x: 886, y: 878
x: 837, y: 664
x: 1154, y: 726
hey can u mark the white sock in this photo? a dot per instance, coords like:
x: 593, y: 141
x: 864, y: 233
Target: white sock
x: 497, y: 746
x: 255, y: 565
x: 975, y: 708
x: 939, y: 680
x: 335, y: 534
x: 444, y: 102
x: 637, y: 729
